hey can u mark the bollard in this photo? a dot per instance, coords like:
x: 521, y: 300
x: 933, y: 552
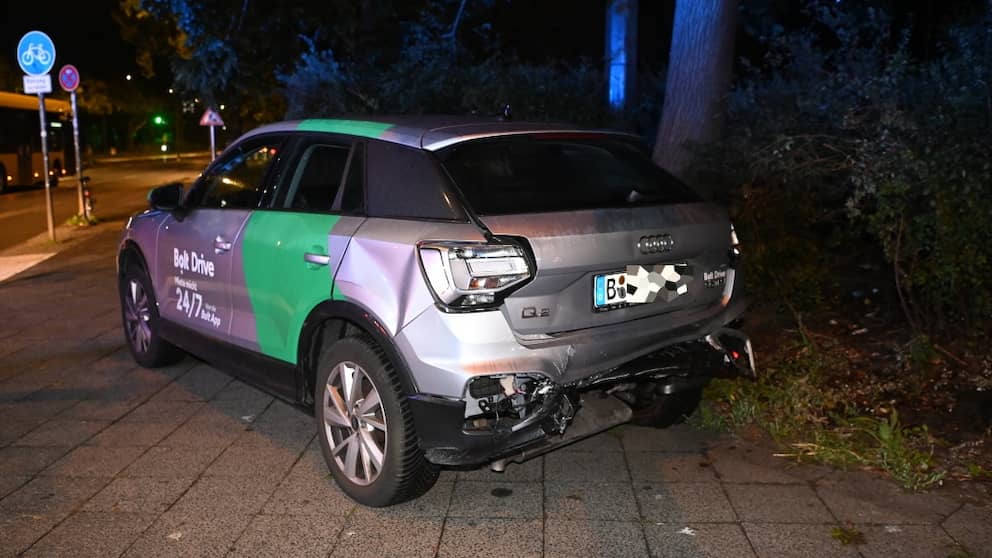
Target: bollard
x: 87, y: 199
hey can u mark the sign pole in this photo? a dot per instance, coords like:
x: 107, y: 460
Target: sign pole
x: 36, y: 56
x: 212, y: 119
x: 79, y: 164
x: 69, y: 80
x: 49, y: 209
x: 179, y: 128
x: 213, y: 148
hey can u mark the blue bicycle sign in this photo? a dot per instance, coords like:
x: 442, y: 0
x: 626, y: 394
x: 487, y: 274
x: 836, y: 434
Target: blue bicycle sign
x: 36, y: 53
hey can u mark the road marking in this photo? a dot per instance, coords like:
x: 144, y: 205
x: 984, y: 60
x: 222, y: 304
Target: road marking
x: 12, y: 265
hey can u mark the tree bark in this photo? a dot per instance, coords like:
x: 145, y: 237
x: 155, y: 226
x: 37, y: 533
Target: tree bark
x: 699, y: 67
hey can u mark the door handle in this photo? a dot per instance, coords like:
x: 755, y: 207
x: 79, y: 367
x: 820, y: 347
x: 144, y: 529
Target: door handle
x: 316, y: 259
x: 221, y: 245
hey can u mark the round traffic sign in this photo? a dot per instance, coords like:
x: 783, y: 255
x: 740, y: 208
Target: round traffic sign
x: 69, y: 78
x: 36, y: 53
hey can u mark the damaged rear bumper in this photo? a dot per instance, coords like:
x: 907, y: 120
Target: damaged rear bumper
x: 574, y: 411
x: 445, y: 442
x: 446, y: 351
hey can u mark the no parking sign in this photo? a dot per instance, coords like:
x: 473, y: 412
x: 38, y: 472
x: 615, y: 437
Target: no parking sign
x: 69, y: 78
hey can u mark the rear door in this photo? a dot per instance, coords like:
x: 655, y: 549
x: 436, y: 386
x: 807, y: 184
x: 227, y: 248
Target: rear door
x: 289, y: 251
x: 614, y: 237
x: 195, y: 252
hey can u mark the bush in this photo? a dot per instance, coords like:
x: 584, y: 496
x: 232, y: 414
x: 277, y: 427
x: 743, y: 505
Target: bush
x: 922, y: 183
x: 839, y: 139
x: 433, y: 73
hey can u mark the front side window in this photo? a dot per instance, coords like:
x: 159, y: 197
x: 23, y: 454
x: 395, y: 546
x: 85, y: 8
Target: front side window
x: 237, y: 181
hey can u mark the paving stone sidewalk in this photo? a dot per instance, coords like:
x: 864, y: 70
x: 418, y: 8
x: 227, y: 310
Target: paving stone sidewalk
x: 99, y: 457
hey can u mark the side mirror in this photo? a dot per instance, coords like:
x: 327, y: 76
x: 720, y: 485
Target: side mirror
x: 166, y: 198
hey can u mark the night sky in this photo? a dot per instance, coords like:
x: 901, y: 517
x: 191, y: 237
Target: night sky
x: 86, y: 35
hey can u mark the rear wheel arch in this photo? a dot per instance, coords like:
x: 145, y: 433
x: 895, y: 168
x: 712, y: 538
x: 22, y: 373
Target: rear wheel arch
x: 368, y: 419
x: 333, y: 320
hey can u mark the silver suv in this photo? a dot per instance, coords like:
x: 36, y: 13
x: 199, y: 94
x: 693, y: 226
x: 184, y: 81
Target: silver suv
x: 440, y: 291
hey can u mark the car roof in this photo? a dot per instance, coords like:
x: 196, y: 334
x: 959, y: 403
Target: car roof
x: 430, y: 132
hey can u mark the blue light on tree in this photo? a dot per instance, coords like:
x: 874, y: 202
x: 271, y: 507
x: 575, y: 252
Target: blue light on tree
x: 618, y: 60
x: 621, y: 39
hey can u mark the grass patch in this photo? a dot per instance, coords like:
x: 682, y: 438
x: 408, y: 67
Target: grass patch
x: 976, y: 471
x: 80, y: 220
x: 848, y: 536
x: 796, y: 403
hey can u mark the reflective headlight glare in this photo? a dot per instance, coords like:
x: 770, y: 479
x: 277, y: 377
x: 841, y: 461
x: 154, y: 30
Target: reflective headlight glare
x: 471, y: 276
x: 735, y: 247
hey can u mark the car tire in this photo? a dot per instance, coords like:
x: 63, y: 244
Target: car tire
x: 140, y: 319
x: 652, y: 408
x: 368, y: 437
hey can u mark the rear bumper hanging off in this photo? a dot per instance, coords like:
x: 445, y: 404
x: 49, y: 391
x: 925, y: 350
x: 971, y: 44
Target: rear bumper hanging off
x: 578, y: 410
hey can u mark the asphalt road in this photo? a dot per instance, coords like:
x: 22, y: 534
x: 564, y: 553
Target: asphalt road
x: 117, y: 189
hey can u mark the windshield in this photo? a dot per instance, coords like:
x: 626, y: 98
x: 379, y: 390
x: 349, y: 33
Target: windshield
x: 559, y: 172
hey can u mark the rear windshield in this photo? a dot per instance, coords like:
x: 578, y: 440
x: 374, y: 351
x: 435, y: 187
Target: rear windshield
x: 559, y: 172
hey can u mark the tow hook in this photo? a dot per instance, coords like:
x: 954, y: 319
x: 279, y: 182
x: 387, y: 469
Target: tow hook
x: 560, y: 419
x: 737, y: 351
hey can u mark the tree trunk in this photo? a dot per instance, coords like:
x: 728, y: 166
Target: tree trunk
x: 699, y: 66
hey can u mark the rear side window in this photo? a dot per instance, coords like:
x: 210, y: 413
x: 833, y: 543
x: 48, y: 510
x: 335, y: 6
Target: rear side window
x: 353, y: 196
x: 407, y: 182
x: 317, y: 177
x: 559, y: 172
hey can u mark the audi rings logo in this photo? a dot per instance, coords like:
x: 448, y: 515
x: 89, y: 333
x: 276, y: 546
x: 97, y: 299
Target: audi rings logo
x: 655, y: 243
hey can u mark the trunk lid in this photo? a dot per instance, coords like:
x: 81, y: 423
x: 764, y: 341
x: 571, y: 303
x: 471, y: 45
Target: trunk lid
x: 572, y: 248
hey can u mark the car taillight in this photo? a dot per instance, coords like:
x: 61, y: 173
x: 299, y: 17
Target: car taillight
x: 472, y: 275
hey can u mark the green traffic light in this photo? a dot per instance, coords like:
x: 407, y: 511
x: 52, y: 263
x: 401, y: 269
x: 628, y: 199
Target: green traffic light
x: 158, y: 120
